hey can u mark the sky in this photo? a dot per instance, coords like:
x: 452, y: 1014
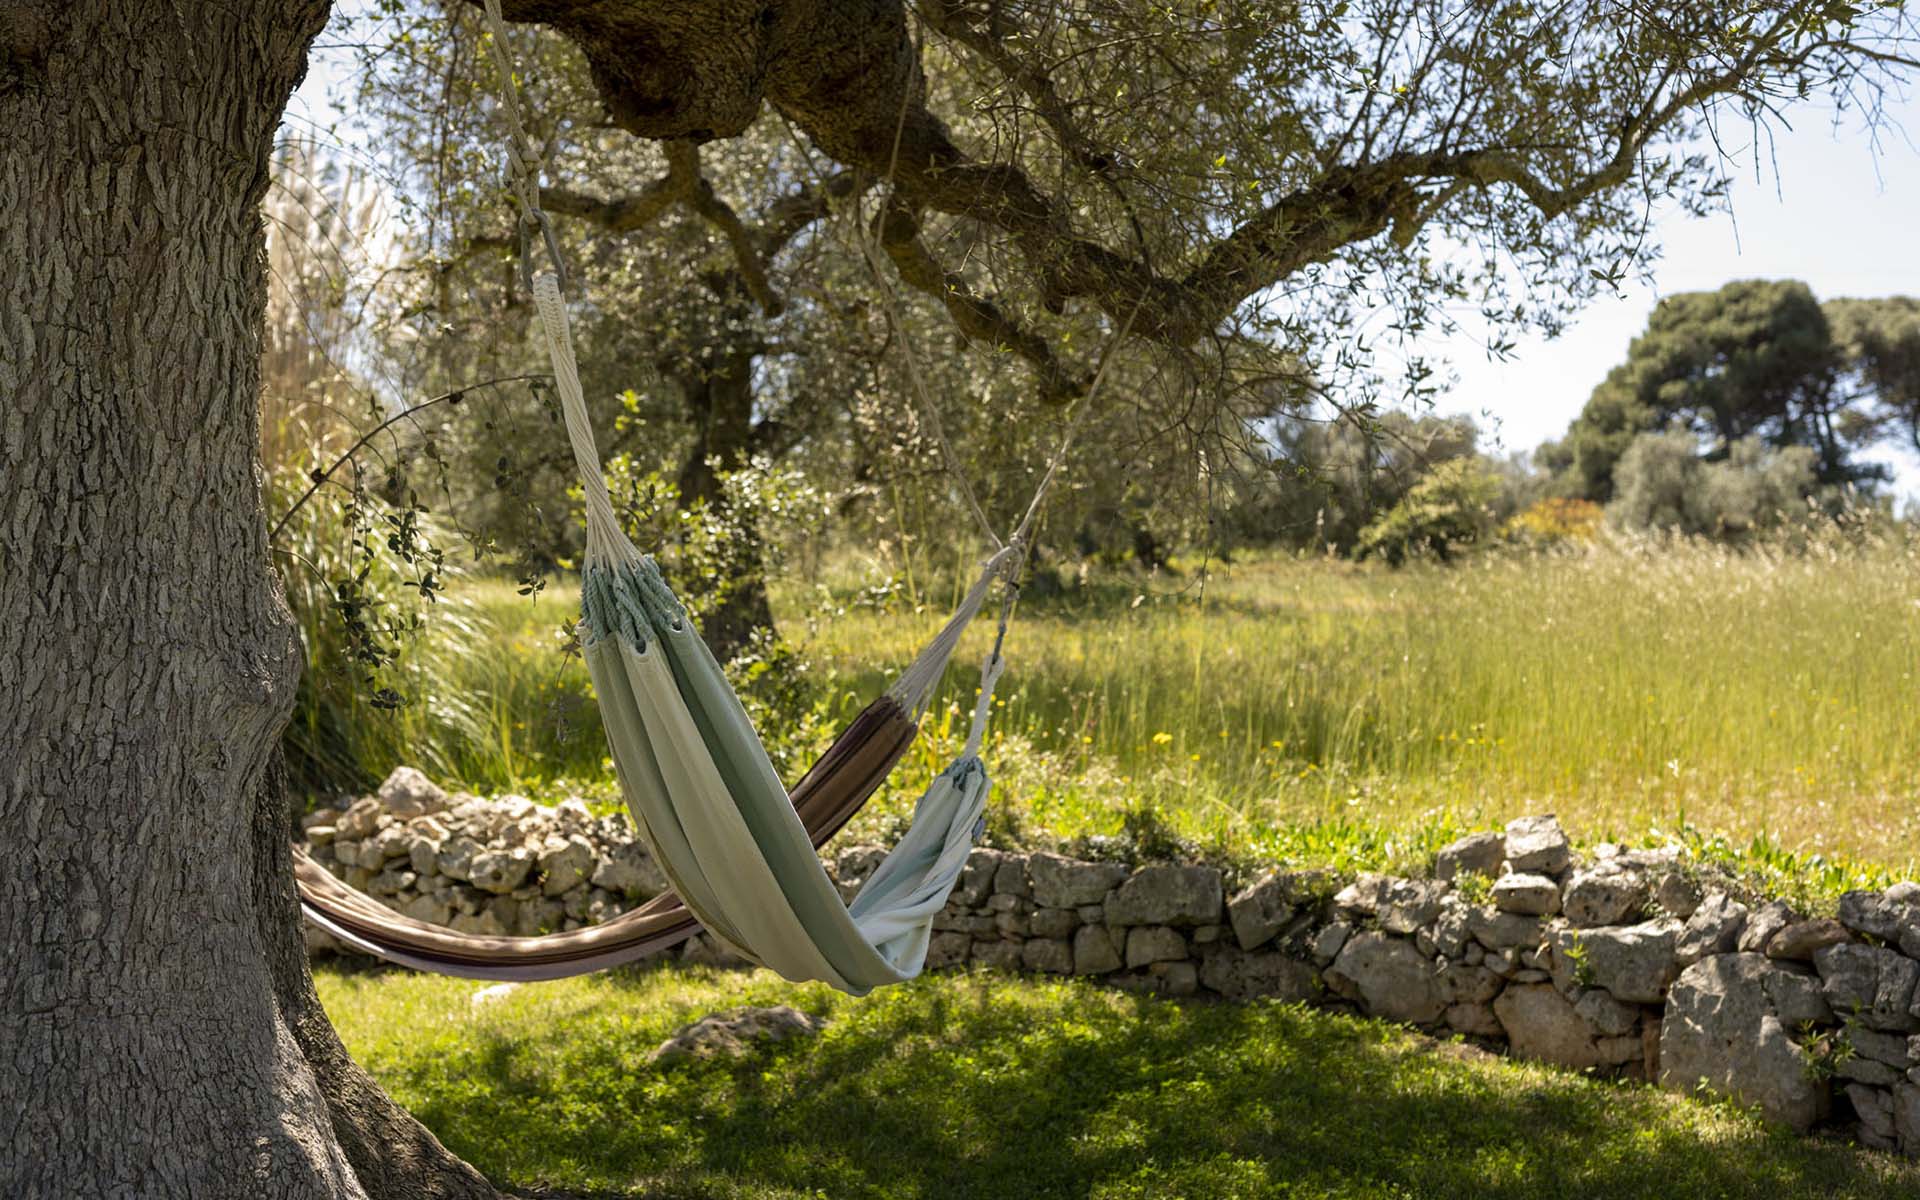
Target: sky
x: 1825, y: 207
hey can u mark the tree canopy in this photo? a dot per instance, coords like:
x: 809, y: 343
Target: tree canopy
x: 1759, y: 360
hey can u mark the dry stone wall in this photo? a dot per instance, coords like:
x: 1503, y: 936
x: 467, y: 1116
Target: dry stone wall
x: 1629, y: 963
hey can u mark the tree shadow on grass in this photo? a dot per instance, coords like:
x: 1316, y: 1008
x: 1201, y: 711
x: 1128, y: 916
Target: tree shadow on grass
x: 981, y: 1087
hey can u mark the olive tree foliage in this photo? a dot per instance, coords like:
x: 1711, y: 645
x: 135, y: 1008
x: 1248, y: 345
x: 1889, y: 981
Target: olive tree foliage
x: 1250, y: 196
x: 1757, y: 359
x: 1662, y: 483
x: 1210, y: 174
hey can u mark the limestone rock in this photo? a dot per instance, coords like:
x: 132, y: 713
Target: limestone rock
x: 457, y: 855
x: 947, y: 950
x: 1148, y: 944
x: 1474, y: 1020
x: 1634, y: 963
x: 1474, y: 854
x: 1874, y: 1107
x: 1174, y: 978
x: 1604, y: 897
x: 1714, y: 928
x: 1541, y: 1025
x: 1094, y: 952
x: 1053, y: 922
x: 1051, y: 955
x: 1388, y: 977
x: 1765, y: 921
x: 735, y: 1032
x: 408, y: 793
x: 1800, y: 940
x: 1262, y: 909
x: 1329, y: 940
x: 1502, y: 931
x: 1721, y: 1029
x: 1528, y: 895
x: 976, y: 878
x: 1875, y: 915
x: 360, y: 818
x: 430, y: 909
x: 1606, y: 1015
x: 1410, y: 904
x: 501, y: 871
x: 1001, y: 954
x: 1010, y: 878
x: 1240, y: 975
x: 1167, y: 896
x: 630, y: 871
x: 1873, y: 985
x: 1677, y: 896
x: 566, y: 863
x: 1060, y: 882
x: 1906, y: 1118
x: 1465, y: 983
x: 1537, y: 845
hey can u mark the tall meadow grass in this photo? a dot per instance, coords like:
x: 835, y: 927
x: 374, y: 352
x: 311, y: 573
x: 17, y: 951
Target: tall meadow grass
x: 1311, y: 709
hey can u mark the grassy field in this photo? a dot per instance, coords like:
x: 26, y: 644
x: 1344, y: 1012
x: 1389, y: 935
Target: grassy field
x: 974, y: 1086
x: 1313, y: 710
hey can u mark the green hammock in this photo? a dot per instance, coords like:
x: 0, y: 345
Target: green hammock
x: 737, y: 848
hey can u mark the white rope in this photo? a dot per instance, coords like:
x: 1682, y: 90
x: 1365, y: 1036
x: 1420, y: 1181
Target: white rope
x: 606, y: 542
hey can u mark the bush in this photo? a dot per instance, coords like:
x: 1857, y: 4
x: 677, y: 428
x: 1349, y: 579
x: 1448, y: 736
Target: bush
x: 1556, y: 520
x: 1451, y: 507
x: 1662, y: 483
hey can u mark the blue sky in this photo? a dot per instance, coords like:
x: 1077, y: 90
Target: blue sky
x: 1823, y: 206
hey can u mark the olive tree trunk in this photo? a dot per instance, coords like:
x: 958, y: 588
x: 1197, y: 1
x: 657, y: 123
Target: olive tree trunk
x: 158, y: 1035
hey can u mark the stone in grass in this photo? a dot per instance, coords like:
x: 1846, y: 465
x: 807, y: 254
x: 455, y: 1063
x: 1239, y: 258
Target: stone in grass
x: 1537, y: 845
x: 1388, y: 978
x: 733, y: 1033
x: 1722, y: 1031
x: 1474, y: 854
x: 1528, y: 895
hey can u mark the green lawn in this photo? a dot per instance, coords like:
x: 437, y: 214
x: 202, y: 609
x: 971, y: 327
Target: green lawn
x: 977, y: 1086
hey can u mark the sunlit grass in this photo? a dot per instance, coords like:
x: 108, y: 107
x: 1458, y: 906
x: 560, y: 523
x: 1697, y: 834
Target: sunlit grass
x: 1313, y: 710
x: 976, y: 1086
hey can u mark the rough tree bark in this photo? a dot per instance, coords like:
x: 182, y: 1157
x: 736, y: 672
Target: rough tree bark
x: 158, y: 1034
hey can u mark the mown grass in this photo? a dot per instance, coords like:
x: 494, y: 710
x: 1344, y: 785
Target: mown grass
x: 976, y: 1086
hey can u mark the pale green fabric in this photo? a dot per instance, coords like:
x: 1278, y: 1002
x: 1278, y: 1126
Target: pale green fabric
x: 716, y: 816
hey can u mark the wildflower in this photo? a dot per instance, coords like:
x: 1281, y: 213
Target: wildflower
x: 1161, y: 739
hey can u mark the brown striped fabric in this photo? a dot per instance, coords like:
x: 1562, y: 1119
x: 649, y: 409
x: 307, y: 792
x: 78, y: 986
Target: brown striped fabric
x: 825, y: 799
